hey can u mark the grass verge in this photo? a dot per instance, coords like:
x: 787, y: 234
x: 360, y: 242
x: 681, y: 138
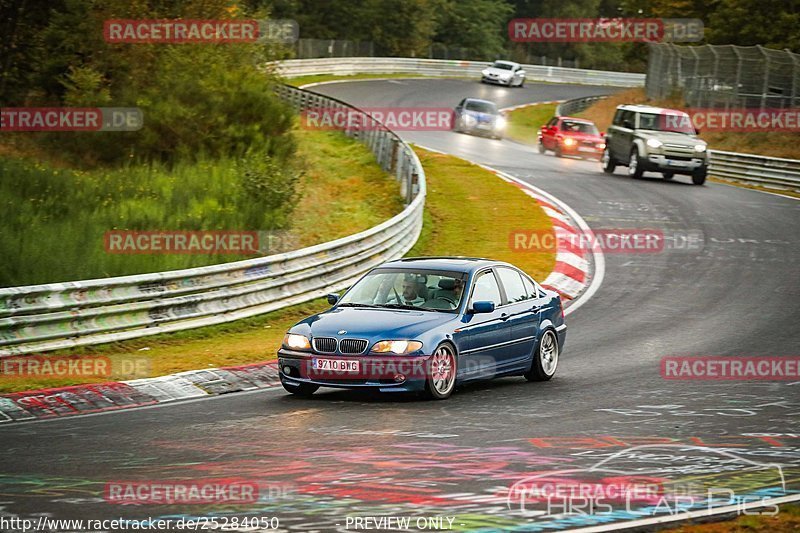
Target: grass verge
x: 524, y: 123
x: 469, y: 211
x: 53, y: 220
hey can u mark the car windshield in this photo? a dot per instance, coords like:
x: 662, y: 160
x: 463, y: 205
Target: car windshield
x: 675, y: 122
x: 503, y: 66
x: 481, y: 107
x: 433, y: 290
x: 579, y: 127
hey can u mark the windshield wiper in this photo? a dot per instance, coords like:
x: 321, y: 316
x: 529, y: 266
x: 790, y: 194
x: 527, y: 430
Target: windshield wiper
x: 401, y: 306
x: 354, y: 304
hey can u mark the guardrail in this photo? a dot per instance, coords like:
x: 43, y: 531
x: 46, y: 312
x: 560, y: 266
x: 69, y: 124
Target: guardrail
x: 39, y: 318
x: 344, y: 66
x: 745, y: 168
x: 576, y: 105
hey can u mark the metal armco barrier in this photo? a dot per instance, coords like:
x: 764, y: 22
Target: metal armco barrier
x: 756, y: 169
x: 576, y: 105
x: 39, y: 318
x: 746, y: 168
x: 344, y: 66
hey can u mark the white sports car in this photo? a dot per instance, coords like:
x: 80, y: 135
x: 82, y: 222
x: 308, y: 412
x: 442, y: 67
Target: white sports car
x: 504, y: 73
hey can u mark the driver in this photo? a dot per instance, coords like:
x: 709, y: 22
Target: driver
x: 410, y: 294
x: 458, y: 289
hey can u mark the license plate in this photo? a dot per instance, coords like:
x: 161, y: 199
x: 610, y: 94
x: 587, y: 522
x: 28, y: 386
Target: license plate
x: 673, y: 163
x: 335, y: 364
x: 484, y: 126
x: 585, y: 149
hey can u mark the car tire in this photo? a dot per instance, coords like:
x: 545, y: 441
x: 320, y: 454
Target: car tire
x: 545, y: 358
x: 521, y: 84
x: 440, y: 388
x: 699, y: 176
x: 557, y: 151
x: 305, y: 390
x: 609, y: 163
x: 635, y: 169
x: 542, y: 149
x: 668, y: 175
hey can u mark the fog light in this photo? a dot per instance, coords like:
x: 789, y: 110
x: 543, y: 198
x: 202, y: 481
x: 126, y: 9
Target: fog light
x: 399, y: 378
x: 287, y: 370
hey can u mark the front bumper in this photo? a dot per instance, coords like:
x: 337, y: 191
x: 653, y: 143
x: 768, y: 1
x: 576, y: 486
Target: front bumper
x: 663, y: 163
x: 581, y: 150
x: 498, y: 81
x: 399, y: 373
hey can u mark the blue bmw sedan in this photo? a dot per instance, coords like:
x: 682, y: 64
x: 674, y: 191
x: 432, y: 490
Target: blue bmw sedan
x: 427, y: 325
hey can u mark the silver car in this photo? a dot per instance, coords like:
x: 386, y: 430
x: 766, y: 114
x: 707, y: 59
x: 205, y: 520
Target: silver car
x: 504, y: 73
x: 480, y: 117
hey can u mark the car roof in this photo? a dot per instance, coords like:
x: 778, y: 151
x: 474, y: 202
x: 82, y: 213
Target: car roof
x: 455, y: 263
x: 649, y: 109
x: 506, y: 62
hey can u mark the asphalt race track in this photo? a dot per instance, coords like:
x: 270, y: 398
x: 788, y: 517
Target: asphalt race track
x: 320, y: 462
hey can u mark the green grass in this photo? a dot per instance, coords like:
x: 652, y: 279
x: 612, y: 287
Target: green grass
x: 523, y: 123
x: 469, y: 211
x: 53, y: 220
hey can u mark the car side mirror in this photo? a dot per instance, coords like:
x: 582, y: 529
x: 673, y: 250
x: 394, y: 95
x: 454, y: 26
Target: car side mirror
x: 333, y: 298
x: 602, y: 134
x: 697, y: 131
x: 482, y: 307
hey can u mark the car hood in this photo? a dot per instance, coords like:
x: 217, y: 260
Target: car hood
x: 372, y: 324
x: 672, y: 137
x: 481, y: 117
x: 498, y: 72
x: 583, y: 136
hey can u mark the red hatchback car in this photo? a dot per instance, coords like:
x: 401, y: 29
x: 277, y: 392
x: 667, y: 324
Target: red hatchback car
x: 571, y: 136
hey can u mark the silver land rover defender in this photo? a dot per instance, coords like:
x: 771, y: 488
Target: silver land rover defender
x: 645, y: 138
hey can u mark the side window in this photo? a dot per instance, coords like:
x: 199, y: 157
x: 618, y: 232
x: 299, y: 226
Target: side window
x: 486, y: 289
x: 512, y: 283
x: 461, y: 103
x: 629, y: 116
x: 618, y: 117
x: 552, y: 122
x: 530, y: 288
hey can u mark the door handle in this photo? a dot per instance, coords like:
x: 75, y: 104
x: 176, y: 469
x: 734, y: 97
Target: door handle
x: 504, y: 316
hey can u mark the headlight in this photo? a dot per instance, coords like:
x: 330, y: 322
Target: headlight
x: 700, y: 148
x: 470, y: 120
x: 396, y: 347
x: 569, y: 141
x: 500, y: 123
x: 298, y: 342
x: 654, y: 143
x: 485, y: 72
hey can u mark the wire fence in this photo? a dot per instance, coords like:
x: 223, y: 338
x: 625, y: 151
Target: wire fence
x: 726, y: 76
